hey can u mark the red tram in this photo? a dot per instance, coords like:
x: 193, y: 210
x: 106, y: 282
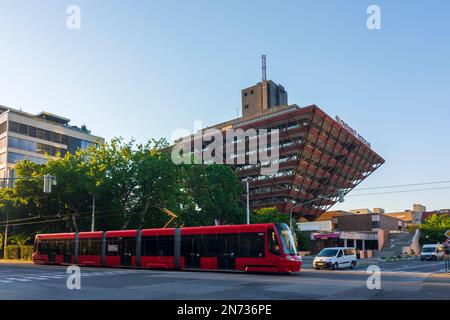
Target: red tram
x: 251, y: 248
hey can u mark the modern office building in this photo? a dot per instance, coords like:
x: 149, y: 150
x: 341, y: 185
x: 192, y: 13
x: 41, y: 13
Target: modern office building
x: 318, y: 154
x: 37, y: 137
x: 364, y: 231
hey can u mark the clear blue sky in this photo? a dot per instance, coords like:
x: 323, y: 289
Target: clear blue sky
x: 145, y: 68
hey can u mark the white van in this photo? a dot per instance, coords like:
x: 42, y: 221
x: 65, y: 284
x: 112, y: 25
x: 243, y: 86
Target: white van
x: 335, y: 258
x: 432, y: 252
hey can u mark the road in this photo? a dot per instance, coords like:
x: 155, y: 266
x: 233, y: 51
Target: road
x: 399, y: 280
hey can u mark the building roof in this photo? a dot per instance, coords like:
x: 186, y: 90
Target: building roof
x: 428, y: 214
x: 47, y: 117
x: 52, y: 117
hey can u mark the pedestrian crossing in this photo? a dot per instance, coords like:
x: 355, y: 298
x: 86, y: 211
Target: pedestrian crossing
x: 59, y: 276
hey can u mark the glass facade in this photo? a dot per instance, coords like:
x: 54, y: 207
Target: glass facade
x: 32, y: 146
x: 10, y: 146
x: 16, y: 157
x: 37, y: 133
x: 72, y: 143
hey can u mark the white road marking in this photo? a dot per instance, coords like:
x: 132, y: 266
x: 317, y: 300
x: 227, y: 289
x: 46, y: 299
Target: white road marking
x: 41, y: 277
x: 17, y: 279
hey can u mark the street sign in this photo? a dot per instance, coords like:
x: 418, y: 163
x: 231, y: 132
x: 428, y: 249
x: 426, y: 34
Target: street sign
x: 447, y: 234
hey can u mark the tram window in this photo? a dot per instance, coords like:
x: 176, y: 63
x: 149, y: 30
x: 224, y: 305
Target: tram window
x: 227, y: 243
x: 251, y: 245
x: 112, y: 248
x: 43, y: 247
x: 89, y: 247
x: 165, y: 246
x: 274, y: 247
x: 209, y: 245
x: 149, y: 246
x: 129, y: 245
x: 49, y: 246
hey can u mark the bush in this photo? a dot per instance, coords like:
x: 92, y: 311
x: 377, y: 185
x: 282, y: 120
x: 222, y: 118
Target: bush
x: 12, y: 252
x: 26, y: 252
x: 15, y: 252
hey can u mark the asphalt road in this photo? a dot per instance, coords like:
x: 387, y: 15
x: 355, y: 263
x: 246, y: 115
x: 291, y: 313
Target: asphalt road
x: 399, y: 280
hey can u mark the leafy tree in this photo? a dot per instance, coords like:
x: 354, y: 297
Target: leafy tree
x: 130, y: 183
x: 19, y: 239
x: 269, y: 215
x: 434, y: 227
x: 213, y: 192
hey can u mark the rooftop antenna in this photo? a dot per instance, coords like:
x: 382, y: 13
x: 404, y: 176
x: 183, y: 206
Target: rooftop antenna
x: 264, y: 75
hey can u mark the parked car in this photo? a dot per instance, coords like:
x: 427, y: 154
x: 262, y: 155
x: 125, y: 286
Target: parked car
x: 432, y: 252
x: 335, y: 258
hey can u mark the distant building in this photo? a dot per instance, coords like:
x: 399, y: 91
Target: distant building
x: 410, y: 217
x: 362, y: 231
x: 428, y: 214
x: 33, y: 137
x: 361, y: 211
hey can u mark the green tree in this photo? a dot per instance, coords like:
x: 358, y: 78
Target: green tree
x: 212, y: 192
x: 19, y: 239
x: 434, y: 227
x: 130, y: 183
x: 269, y: 215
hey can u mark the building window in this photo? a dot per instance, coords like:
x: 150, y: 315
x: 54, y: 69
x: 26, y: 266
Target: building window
x: 251, y: 92
x: 245, y: 94
x: 16, y: 157
x: 3, y: 127
x: 32, y: 146
x: 246, y: 106
x: 37, y: 133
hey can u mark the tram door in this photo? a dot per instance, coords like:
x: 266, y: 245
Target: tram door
x: 191, y: 251
x: 127, y: 249
x: 226, y: 253
x: 66, y: 248
x: 51, y: 251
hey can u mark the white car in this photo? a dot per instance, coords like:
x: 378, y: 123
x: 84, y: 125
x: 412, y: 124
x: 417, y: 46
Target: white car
x: 335, y: 258
x: 432, y: 252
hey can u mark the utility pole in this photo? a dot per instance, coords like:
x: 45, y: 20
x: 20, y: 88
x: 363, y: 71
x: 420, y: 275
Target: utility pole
x: 248, y: 202
x: 6, y: 236
x: 93, y: 214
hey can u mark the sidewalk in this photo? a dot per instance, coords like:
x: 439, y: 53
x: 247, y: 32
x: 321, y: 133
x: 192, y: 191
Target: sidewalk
x: 14, y: 261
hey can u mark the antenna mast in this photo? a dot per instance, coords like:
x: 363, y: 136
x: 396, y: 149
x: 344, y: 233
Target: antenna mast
x: 264, y: 75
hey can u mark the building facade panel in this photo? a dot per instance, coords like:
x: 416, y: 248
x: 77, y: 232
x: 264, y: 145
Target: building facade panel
x: 35, y: 138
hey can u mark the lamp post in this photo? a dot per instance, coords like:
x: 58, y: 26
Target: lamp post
x: 248, y: 201
x: 6, y: 235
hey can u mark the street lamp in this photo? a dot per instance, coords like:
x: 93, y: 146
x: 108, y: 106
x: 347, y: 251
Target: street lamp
x: 248, y: 201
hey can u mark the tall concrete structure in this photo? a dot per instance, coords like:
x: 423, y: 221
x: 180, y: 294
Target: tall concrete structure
x: 318, y: 155
x: 261, y: 97
x: 36, y: 137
